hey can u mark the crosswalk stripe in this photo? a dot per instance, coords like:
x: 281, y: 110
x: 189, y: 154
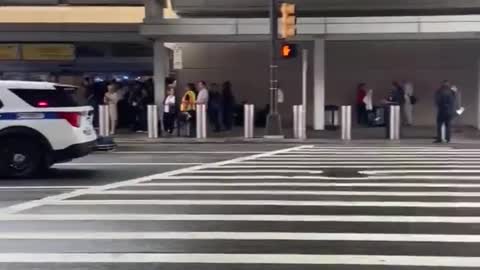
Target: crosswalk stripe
x: 274, y: 203
x: 242, y: 217
x: 213, y: 235
x: 293, y: 192
x: 439, y: 171
x: 301, y: 184
x: 325, y: 166
x: 253, y: 170
x: 224, y: 258
x: 370, y: 162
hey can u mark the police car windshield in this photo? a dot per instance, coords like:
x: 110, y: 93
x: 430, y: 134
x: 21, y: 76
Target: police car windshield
x: 59, y: 97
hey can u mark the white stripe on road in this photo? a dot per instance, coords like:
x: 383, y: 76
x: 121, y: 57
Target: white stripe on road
x: 346, y: 166
x: 253, y: 170
x: 362, y: 162
x: 52, y: 199
x: 95, y: 164
x: 227, y: 258
x: 291, y: 192
x: 43, y: 187
x: 213, y: 235
x: 185, y: 152
x: 440, y: 177
x: 273, y: 203
x: 303, y: 184
x: 230, y: 217
x: 439, y: 171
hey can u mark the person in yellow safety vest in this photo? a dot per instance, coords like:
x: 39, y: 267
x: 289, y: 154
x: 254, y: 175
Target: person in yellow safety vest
x: 187, y: 107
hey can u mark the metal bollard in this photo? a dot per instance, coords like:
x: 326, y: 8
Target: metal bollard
x: 248, y: 120
x: 296, y: 112
x: 443, y: 133
x: 201, y: 121
x: 346, y: 123
x: 395, y: 122
x: 302, y: 123
x: 152, y: 118
x: 103, y: 121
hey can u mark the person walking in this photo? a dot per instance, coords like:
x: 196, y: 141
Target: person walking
x: 111, y: 99
x: 169, y: 111
x: 361, y: 110
x: 187, y: 108
x: 445, y: 101
x: 228, y: 105
x: 138, y: 101
x: 368, y: 101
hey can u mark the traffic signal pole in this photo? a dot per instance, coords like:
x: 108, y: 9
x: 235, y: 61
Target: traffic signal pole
x: 274, y: 122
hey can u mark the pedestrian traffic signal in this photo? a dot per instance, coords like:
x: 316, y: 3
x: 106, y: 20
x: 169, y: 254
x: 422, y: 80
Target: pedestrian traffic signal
x: 288, y: 21
x: 288, y: 50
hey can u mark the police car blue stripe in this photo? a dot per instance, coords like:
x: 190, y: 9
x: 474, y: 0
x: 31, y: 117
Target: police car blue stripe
x: 25, y: 115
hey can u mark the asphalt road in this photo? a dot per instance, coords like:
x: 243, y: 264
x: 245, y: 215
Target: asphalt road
x: 248, y: 207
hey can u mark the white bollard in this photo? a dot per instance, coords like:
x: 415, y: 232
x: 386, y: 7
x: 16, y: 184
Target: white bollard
x: 201, y: 121
x: 395, y: 122
x: 248, y: 119
x: 103, y: 121
x: 152, y: 118
x: 346, y: 123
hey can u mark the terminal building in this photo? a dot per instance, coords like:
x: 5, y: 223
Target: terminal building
x: 348, y: 42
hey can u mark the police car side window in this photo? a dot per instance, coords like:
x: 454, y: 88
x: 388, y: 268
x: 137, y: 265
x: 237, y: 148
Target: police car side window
x: 1, y: 104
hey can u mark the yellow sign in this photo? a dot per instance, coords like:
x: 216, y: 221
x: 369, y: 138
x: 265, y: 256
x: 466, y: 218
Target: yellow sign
x: 8, y: 51
x: 55, y: 52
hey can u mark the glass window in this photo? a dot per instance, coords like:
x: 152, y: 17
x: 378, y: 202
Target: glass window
x: 60, y: 97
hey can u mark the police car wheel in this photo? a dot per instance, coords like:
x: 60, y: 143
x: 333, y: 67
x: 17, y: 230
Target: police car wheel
x: 22, y: 158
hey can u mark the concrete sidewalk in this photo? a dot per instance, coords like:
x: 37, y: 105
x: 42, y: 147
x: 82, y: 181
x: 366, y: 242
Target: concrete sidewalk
x: 360, y: 135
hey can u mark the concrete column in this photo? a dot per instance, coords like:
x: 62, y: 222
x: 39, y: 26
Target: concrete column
x: 319, y: 84
x: 154, y: 8
x: 160, y: 61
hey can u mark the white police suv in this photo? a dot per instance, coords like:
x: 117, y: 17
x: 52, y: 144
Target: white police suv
x: 41, y: 124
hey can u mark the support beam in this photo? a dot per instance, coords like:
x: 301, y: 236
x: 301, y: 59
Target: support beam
x: 160, y: 72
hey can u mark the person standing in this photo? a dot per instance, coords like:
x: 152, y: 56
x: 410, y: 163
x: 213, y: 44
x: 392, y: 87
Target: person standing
x: 228, y: 105
x: 169, y: 111
x: 368, y: 101
x: 111, y: 99
x: 410, y: 100
x: 445, y: 101
x: 203, y: 95
x: 187, y: 108
x: 361, y: 110
x: 138, y: 101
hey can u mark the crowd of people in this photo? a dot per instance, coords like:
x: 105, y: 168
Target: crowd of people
x: 446, y: 101
x: 128, y: 101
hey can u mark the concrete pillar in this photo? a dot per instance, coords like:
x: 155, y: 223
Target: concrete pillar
x: 160, y: 61
x: 154, y: 8
x: 319, y: 84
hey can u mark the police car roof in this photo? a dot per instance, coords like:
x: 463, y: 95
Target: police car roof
x: 31, y: 85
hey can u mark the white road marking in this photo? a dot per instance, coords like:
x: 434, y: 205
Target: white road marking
x: 42, y: 187
x: 292, y: 192
x: 439, y: 171
x: 363, y: 162
x: 273, y: 203
x: 52, y: 199
x: 247, y: 217
x: 253, y: 170
x: 303, y: 184
x: 343, y: 166
x: 379, y: 177
x: 221, y: 258
x: 96, y: 164
x: 213, y: 235
x: 185, y: 152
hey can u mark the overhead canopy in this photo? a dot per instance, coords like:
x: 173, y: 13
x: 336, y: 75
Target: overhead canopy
x: 316, y: 8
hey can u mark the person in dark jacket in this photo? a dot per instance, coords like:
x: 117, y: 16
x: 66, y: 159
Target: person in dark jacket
x: 228, y: 105
x: 445, y: 101
x: 138, y: 101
